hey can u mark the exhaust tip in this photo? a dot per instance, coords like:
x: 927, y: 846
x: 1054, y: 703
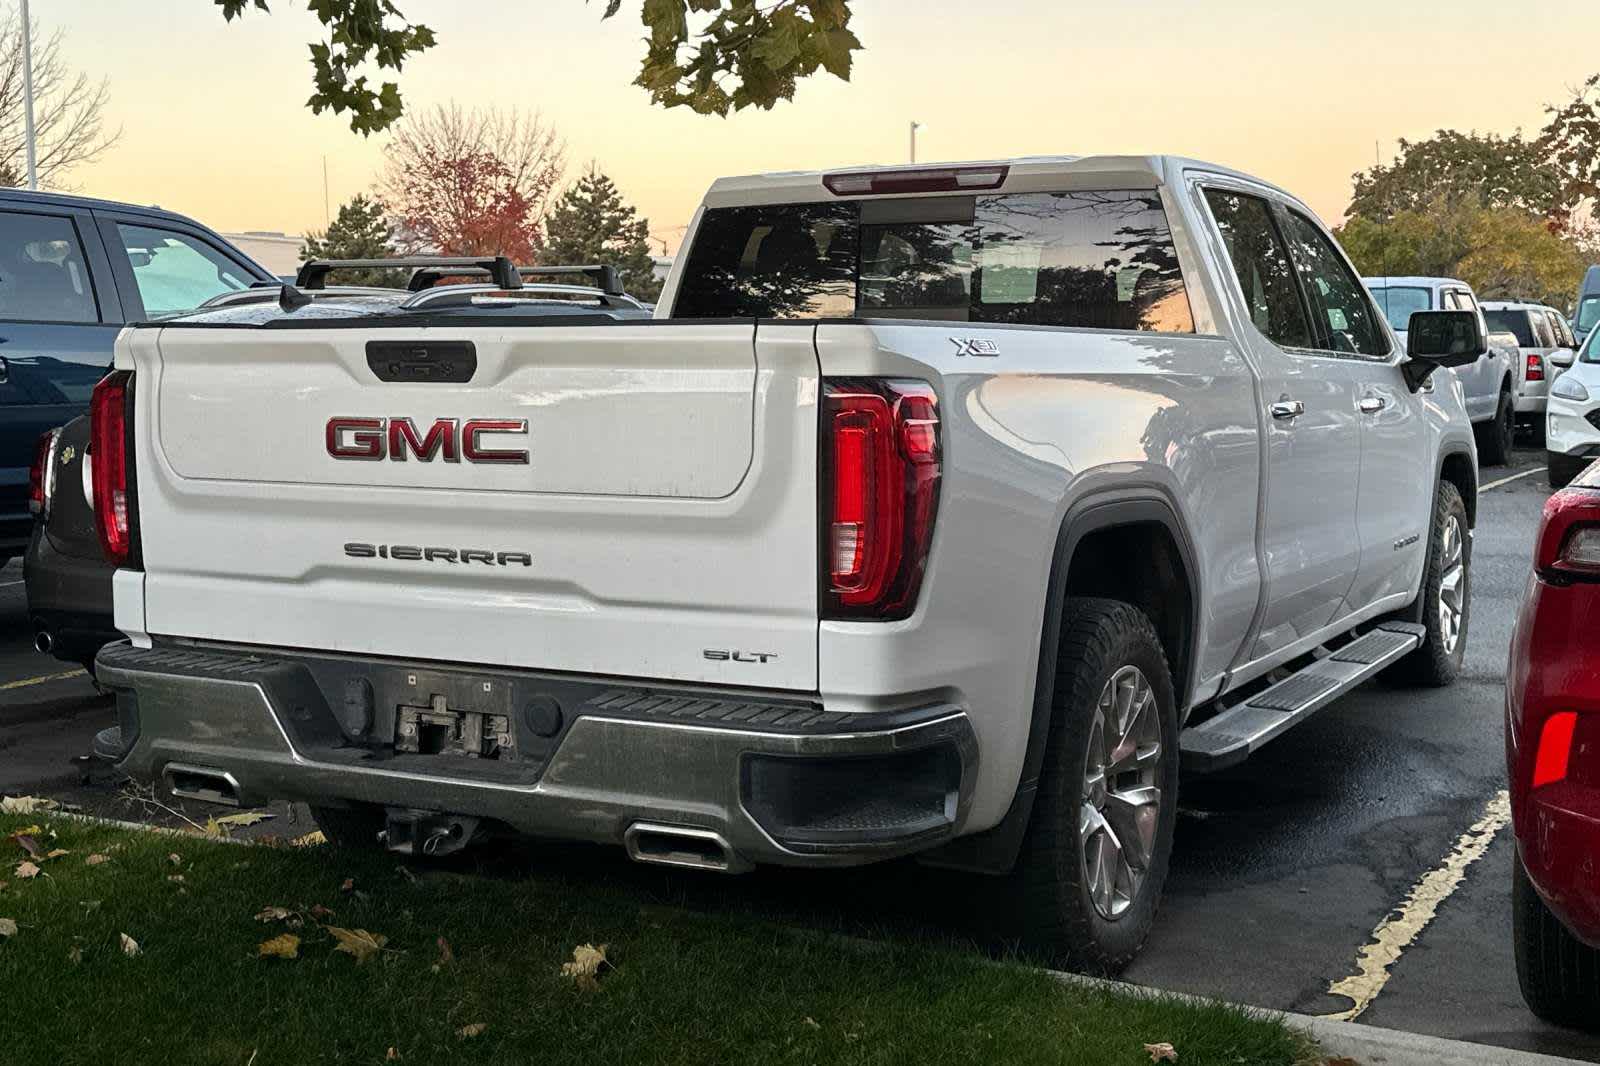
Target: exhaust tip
x: 676, y: 845
x: 43, y: 642
x: 202, y: 783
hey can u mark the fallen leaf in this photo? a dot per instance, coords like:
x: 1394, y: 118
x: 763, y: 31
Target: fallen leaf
x: 26, y: 804
x: 27, y: 843
x: 349, y: 885
x: 90, y: 905
x: 584, y: 969
x: 4, y: 885
x: 57, y: 853
x: 286, y: 946
x: 811, y: 1022
x: 130, y: 946
x: 27, y: 871
x: 274, y: 914
x: 319, y: 912
x: 31, y: 830
x: 175, y: 859
x: 392, y: 1055
x: 242, y: 819
x: 75, y: 955
x: 467, y: 1032
x: 8, y: 927
x: 313, y: 839
x: 176, y: 879
x: 96, y: 860
x: 357, y: 943
x: 446, y: 956
x: 1162, y: 1052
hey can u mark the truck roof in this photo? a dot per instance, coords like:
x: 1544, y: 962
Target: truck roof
x: 1042, y: 173
x: 1413, y: 281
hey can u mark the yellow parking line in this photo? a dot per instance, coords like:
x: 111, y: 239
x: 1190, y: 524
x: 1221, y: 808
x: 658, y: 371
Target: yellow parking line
x: 1508, y: 480
x: 25, y: 682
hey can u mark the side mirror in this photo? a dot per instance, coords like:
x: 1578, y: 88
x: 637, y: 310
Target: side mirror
x: 1562, y: 357
x: 1441, y: 338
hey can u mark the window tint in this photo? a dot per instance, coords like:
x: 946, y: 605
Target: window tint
x: 1514, y: 322
x: 1262, y: 267
x: 42, y: 273
x: 1092, y: 259
x: 1344, y: 317
x: 1399, y: 301
x: 176, y: 272
x: 1558, y: 330
x: 1542, y: 332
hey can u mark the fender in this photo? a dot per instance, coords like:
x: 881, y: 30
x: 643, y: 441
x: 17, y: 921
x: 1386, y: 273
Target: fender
x: 995, y: 851
x: 1413, y: 611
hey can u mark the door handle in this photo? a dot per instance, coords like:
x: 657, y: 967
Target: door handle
x: 1371, y: 405
x: 1284, y: 410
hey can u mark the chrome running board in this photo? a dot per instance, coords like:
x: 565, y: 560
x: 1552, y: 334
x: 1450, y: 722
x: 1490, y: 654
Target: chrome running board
x: 1231, y: 736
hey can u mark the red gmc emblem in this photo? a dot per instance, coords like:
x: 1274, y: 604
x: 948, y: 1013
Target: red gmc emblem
x: 399, y: 439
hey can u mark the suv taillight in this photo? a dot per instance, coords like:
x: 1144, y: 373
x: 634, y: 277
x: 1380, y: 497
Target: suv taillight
x: 39, y: 473
x: 880, y: 468
x: 1535, y: 368
x: 108, y: 457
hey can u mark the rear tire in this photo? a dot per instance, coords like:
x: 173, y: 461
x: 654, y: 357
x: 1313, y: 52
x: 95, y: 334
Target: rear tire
x: 354, y: 828
x: 1563, y: 468
x: 1088, y: 881
x: 1495, y: 436
x: 1559, y: 974
x: 1446, y: 596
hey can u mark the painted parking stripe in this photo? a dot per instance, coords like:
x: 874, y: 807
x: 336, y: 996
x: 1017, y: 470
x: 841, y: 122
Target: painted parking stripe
x: 1405, y: 923
x: 8, y: 584
x: 7, y: 686
x: 1508, y: 480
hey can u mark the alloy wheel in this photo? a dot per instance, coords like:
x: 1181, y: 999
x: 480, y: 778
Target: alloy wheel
x: 1121, y: 806
x: 1452, y: 584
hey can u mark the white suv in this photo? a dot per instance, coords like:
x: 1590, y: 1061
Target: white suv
x: 1545, y: 345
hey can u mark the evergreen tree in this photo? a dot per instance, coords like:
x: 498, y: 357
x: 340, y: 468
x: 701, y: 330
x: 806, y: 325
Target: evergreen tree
x: 360, y: 232
x: 591, y: 223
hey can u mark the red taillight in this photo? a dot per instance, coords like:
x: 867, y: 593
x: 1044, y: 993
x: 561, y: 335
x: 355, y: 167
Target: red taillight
x: 1568, y: 546
x: 37, y: 472
x: 1535, y: 368
x: 108, y: 456
x: 925, y: 179
x: 881, y: 465
x: 1555, y: 749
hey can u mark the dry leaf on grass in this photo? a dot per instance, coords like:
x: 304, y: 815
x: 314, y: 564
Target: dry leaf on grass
x: 96, y: 860
x: 320, y: 913
x: 244, y: 818
x: 176, y: 879
x: 349, y: 885
x: 8, y: 927
x: 57, y: 853
x: 357, y: 943
x: 584, y: 969
x: 467, y: 1032
x: 275, y: 914
x: 175, y: 859
x: 27, y: 871
x: 26, y: 804
x: 392, y: 1055
x: 286, y: 946
x: 27, y: 843
x: 75, y: 954
x: 446, y: 956
x: 130, y: 946
x: 812, y: 1022
x: 313, y: 839
x: 1162, y: 1052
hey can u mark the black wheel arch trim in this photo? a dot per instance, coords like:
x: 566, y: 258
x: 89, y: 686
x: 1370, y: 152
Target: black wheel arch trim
x: 995, y: 850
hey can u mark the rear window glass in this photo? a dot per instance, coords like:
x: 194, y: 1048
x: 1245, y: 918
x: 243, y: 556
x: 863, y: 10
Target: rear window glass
x: 1514, y: 322
x: 1398, y: 302
x: 1094, y: 259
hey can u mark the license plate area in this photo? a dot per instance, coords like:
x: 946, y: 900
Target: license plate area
x: 455, y: 715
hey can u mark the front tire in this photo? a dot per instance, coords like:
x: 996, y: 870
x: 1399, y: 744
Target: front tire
x: 1446, y: 596
x: 1088, y: 881
x: 1559, y: 974
x: 1563, y: 468
x: 1495, y: 436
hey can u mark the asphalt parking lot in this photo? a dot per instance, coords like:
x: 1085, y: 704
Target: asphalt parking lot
x: 1284, y: 870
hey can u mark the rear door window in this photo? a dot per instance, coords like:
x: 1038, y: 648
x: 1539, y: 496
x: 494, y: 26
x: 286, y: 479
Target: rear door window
x: 176, y: 272
x: 43, y: 276
x: 1092, y: 259
x: 1261, y: 266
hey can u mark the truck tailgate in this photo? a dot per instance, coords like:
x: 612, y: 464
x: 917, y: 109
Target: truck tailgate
x: 656, y: 514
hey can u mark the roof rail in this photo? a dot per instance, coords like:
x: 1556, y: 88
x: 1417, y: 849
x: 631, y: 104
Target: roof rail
x: 605, y: 276
x: 314, y: 272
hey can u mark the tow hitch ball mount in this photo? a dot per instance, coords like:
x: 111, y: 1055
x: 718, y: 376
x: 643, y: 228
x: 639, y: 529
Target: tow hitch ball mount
x: 413, y: 832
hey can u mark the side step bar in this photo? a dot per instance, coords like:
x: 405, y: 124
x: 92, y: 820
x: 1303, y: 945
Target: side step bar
x: 1231, y: 736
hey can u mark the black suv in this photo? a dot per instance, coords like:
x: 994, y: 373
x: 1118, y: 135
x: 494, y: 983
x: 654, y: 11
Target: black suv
x: 72, y: 272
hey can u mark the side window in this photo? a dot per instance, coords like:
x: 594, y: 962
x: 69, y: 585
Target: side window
x: 1261, y: 265
x: 1541, y: 330
x: 43, y: 277
x: 1558, y: 327
x: 176, y: 272
x: 1345, y: 318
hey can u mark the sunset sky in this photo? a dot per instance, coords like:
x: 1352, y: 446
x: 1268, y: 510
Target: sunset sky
x: 214, y: 124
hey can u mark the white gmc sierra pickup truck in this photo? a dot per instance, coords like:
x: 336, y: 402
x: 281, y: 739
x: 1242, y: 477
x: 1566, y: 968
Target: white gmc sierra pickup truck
x: 939, y: 510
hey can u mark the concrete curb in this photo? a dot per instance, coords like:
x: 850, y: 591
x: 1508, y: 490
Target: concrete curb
x: 1366, y: 1044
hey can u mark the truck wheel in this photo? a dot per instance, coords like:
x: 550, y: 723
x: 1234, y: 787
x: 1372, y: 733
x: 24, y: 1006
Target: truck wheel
x: 1446, y: 596
x: 1495, y: 436
x: 353, y: 828
x: 1089, y: 877
x: 1559, y: 974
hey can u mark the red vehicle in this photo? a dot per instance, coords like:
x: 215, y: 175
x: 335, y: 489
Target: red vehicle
x: 1553, y: 761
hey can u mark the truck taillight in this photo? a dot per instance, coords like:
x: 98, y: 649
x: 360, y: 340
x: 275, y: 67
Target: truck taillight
x: 881, y: 465
x: 108, y: 457
x: 39, y: 473
x: 1535, y: 368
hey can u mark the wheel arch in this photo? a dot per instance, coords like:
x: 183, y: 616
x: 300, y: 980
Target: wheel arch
x: 1090, y: 526
x: 1457, y: 467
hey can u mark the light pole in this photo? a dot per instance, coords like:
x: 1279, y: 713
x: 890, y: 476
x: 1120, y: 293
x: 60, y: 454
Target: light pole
x: 915, y: 126
x: 27, y: 96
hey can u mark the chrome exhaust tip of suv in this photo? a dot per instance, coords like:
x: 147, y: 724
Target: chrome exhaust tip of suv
x: 676, y: 845
x: 202, y: 783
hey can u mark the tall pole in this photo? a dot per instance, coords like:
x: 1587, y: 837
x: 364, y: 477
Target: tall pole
x: 915, y: 126
x: 327, y: 211
x: 27, y: 96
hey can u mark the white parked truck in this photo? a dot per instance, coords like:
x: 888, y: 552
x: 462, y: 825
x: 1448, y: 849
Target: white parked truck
x: 939, y: 511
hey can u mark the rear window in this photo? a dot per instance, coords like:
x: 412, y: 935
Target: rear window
x: 1399, y: 301
x: 1514, y: 322
x: 1101, y: 260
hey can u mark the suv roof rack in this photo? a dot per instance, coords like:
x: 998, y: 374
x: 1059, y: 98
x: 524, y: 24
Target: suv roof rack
x: 313, y: 273
x: 605, y: 275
